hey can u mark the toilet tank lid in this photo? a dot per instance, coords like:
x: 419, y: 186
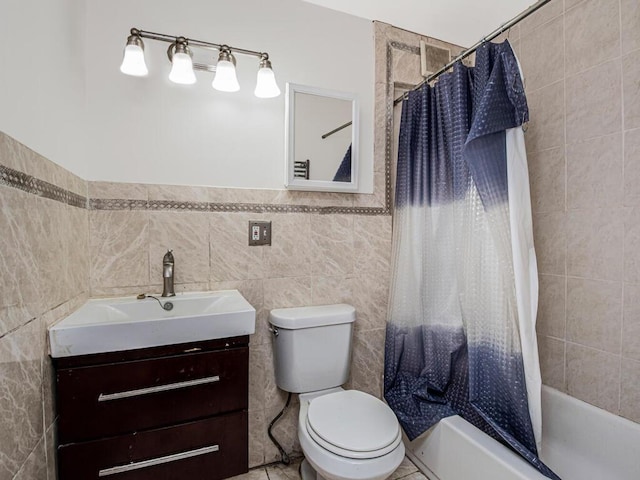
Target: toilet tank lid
x: 307, y: 317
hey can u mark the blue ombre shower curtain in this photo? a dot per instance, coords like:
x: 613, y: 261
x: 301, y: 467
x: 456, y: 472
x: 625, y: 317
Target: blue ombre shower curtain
x: 461, y: 331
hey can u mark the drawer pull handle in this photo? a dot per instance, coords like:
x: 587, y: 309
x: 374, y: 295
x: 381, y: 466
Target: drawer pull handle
x: 105, y: 472
x: 105, y: 397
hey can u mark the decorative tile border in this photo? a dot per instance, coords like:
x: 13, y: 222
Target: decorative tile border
x: 30, y: 184
x: 10, y: 177
x: 165, y: 205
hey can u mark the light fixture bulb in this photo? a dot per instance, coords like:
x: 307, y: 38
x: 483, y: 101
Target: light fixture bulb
x: 182, y: 69
x: 266, y: 86
x: 225, y: 79
x: 133, y: 60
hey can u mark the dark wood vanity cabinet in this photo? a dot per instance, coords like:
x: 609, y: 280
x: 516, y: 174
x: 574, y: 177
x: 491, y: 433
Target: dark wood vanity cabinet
x: 163, y: 413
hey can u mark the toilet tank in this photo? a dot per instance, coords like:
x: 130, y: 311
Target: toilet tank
x: 312, y: 346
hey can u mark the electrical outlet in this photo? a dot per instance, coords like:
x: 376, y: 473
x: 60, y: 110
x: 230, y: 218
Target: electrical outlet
x: 259, y: 233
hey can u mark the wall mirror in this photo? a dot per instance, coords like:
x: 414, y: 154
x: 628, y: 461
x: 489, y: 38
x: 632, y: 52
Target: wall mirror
x: 321, y: 139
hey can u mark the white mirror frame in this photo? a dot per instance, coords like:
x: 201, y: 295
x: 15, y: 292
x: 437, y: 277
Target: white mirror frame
x: 295, y: 183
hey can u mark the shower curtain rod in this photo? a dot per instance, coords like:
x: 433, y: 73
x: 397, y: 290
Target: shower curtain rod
x: 470, y: 50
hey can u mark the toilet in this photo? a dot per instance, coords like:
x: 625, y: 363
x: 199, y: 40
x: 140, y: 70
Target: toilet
x: 344, y: 434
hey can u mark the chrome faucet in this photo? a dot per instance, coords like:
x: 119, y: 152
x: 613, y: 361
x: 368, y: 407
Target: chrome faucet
x: 167, y: 274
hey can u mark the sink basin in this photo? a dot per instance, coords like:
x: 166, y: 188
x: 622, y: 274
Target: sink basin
x: 116, y: 324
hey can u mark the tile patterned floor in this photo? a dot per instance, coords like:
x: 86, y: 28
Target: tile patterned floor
x: 406, y: 471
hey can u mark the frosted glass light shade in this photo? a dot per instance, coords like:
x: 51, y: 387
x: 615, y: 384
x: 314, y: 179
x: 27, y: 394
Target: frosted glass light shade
x: 133, y: 61
x: 182, y: 69
x: 225, y: 79
x: 266, y: 86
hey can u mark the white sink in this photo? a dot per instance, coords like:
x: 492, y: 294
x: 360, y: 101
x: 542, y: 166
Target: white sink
x: 115, y: 324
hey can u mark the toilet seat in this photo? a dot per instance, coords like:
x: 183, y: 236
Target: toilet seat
x: 353, y: 424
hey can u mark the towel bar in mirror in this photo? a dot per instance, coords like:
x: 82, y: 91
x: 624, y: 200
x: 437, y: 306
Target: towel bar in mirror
x: 321, y: 139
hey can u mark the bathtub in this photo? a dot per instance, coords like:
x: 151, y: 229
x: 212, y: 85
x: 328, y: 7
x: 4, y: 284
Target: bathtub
x: 579, y: 442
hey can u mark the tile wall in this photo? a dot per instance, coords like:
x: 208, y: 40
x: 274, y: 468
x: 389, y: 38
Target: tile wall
x: 44, y: 269
x: 581, y: 62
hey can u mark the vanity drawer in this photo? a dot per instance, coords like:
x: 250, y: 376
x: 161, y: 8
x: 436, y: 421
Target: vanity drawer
x: 112, y: 399
x: 209, y: 449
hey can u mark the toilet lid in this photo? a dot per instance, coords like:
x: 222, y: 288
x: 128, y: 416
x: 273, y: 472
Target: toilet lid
x: 355, y: 422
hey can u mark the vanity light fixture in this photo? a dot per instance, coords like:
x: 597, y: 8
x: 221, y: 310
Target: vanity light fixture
x: 133, y: 59
x: 225, y: 79
x: 266, y: 86
x: 182, y: 65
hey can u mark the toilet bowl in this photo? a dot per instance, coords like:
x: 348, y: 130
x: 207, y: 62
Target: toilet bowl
x: 348, y: 435
x: 344, y: 434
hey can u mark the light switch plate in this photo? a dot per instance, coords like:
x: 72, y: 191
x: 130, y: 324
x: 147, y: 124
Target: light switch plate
x: 259, y: 233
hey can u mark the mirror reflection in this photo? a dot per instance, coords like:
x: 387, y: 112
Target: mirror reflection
x: 321, y: 146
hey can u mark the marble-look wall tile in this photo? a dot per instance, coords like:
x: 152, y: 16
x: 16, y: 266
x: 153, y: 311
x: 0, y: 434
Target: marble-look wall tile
x: 106, y: 190
x: 593, y: 376
x: 178, y: 193
x: 594, y: 173
x: 550, y: 238
x: 632, y: 167
x: 594, y: 247
x: 551, y: 306
x: 231, y: 257
x: 630, y: 390
x: 371, y: 298
x: 330, y: 290
x: 35, y: 467
x: 287, y: 292
x: 546, y: 13
x: 594, y: 102
x: 12, y: 153
x: 595, y: 34
x: 372, y: 243
x: 240, y: 195
x: 631, y: 322
x: 594, y: 313
x: 20, y: 396
x: 568, y: 4
x: 51, y: 451
x: 632, y: 245
x: 317, y: 199
x: 332, y: 244
x: 77, y: 258
x: 380, y: 122
x: 367, y: 361
x: 187, y: 235
x: 257, y: 427
x: 290, y: 251
x: 119, y: 248
x: 546, y: 113
x: 552, y: 364
x: 20, y: 283
x: 631, y: 88
x: 547, y: 179
x: 258, y: 368
x: 53, y: 251
x: 630, y: 19
x: 542, y: 54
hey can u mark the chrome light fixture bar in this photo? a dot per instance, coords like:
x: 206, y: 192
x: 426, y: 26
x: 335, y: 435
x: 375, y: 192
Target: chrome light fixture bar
x: 182, y: 65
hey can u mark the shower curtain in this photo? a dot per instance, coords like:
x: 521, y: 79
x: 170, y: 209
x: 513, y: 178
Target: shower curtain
x: 461, y: 331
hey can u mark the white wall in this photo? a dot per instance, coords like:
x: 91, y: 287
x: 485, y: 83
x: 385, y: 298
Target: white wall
x: 150, y: 130
x: 42, y: 78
